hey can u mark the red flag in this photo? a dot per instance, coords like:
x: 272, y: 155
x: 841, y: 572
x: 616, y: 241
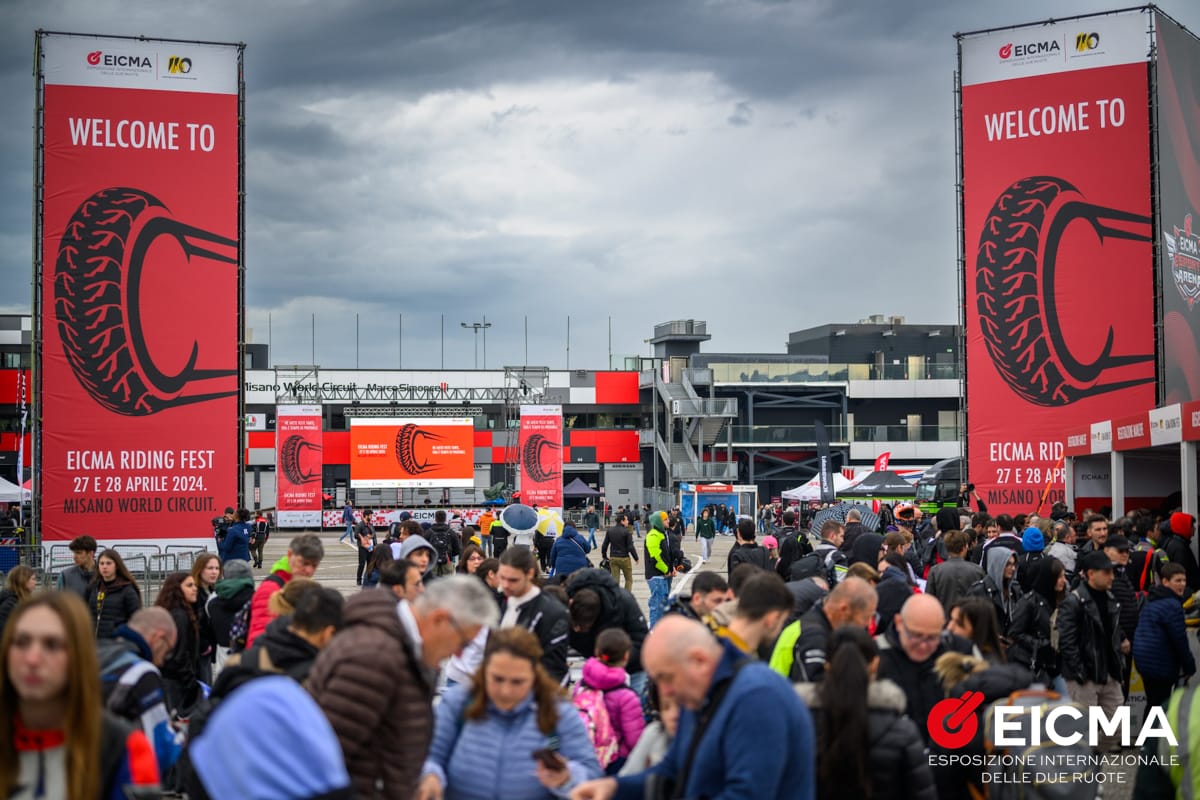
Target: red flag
x: 881, y: 463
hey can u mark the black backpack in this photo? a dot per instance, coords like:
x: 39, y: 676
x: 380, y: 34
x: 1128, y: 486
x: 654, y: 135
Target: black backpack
x: 816, y: 564
x: 239, y: 629
x: 261, y: 530
x: 441, y: 544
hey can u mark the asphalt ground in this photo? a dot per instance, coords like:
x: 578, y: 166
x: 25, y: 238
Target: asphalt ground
x: 341, y: 560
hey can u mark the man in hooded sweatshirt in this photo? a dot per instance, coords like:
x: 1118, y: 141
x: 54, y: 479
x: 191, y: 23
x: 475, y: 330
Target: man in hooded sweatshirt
x: 1000, y: 584
x: 419, y: 551
x: 659, y: 569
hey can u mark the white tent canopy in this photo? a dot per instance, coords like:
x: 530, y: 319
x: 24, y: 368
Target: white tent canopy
x: 11, y: 493
x: 812, y: 489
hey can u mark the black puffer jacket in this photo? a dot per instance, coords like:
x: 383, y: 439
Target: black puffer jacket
x: 227, y: 599
x: 618, y: 609
x: 180, y: 684
x: 8, y: 602
x: 897, y: 766
x: 114, y: 609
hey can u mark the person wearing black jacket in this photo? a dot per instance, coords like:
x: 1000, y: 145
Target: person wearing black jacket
x: 290, y: 644
x: 746, y: 551
x: 909, y: 650
x: 1179, y: 547
x: 1030, y: 629
x: 618, y: 548
x: 113, y: 595
x: 852, y: 602
x: 867, y: 747
x: 527, y: 606
x: 1090, y: 641
x: 228, y: 596
x: 792, y: 545
x: 597, y: 603
x: 1116, y: 547
x: 181, y: 687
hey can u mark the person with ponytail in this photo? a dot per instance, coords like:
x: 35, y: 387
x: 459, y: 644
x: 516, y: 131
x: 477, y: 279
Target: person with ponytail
x: 866, y: 746
x: 605, y: 673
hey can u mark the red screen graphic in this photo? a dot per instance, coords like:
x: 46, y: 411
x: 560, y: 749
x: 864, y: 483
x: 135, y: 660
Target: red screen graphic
x: 540, y: 445
x: 298, y: 462
x: 139, y: 314
x: 1059, y: 281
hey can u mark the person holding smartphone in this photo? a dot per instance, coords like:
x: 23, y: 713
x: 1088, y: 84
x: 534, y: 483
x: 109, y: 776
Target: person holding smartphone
x: 510, y: 703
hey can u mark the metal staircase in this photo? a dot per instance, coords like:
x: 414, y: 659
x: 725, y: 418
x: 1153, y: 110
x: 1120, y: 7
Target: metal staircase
x: 694, y: 425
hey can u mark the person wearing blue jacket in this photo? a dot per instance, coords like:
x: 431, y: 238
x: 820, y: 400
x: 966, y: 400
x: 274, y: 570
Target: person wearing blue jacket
x: 236, y: 544
x: 569, y: 552
x: 729, y: 704
x: 510, y: 734
x: 300, y: 758
x: 1160, y: 646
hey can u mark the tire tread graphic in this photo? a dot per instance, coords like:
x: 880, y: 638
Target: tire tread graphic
x: 290, y: 460
x: 1009, y: 293
x: 531, y: 455
x: 406, y: 449
x: 89, y: 301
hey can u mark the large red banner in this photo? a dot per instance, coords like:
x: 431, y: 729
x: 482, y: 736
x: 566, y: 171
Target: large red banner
x: 1059, y: 282
x: 140, y: 295
x: 540, y: 445
x: 299, y: 466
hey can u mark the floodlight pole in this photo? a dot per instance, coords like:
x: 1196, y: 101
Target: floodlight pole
x: 477, y: 327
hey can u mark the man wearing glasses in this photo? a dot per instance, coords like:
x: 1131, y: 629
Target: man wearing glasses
x: 909, y: 650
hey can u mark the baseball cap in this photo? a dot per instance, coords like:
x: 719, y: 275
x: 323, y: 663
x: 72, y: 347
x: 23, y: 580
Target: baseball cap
x: 769, y: 542
x: 229, y: 510
x: 1095, y: 560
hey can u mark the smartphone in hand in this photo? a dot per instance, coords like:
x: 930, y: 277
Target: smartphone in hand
x: 550, y: 758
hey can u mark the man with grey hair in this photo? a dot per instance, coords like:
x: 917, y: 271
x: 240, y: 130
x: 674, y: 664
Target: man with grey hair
x: 375, y: 680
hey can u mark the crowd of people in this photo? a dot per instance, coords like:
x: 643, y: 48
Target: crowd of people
x: 452, y: 673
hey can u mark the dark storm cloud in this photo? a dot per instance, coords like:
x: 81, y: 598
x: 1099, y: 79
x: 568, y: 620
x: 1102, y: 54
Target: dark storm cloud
x: 748, y: 163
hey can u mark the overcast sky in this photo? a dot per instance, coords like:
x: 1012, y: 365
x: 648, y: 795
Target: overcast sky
x: 764, y: 166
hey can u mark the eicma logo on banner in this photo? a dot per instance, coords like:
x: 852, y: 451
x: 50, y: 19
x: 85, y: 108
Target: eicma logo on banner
x: 953, y: 724
x: 1183, y: 251
x: 116, y: 62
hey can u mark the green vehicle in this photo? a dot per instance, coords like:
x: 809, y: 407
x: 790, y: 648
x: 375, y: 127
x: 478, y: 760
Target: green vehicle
x: 939, y: 487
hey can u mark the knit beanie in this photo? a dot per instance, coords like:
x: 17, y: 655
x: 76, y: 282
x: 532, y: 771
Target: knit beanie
x: 658, y: 521
x: 1032, y: 540
x: 1181, y: 524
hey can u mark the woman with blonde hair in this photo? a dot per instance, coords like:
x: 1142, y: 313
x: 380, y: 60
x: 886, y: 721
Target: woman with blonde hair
x: 55, y: 738
x: 512, y: 700
x: 18, y: 587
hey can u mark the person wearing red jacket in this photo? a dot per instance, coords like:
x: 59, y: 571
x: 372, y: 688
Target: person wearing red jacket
x: 304, y: 555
